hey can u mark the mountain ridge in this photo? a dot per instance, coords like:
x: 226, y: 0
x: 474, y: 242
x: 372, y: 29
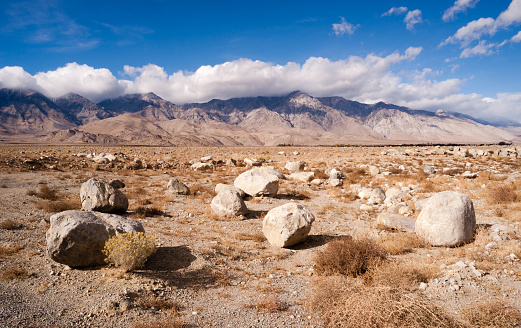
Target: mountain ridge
x: 296, y: 118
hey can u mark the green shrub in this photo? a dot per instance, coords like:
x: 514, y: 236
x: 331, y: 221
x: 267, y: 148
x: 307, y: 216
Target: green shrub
x: 129, y: 250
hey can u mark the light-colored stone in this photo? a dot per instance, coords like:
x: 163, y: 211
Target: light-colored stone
x: 395, y: 221
x: 335, y: 182
x: 206, y: 159
x: 294, y: 166
x: 77, y: 238
x: 393, y: 191
x: 228, y: 203
x: 202, y: 167
x: 175, y: 186
x: 256, y: 182
x: 221, y: 186
x: 447, y: 219
x: 287, y: 225
x: 317, y: 182
x: 373, y: 170
x: 429, y: 169
x: 97, y: 195
x: 364, y: 193
x: 302, y: 176
x: 251, y: 162
x: 270, y: 170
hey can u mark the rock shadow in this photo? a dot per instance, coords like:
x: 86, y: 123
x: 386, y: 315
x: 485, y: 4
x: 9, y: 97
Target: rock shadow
x: 313, y: 241
x: 292, y: 195
x: 255, y: 215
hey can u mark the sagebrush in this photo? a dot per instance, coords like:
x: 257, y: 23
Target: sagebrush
x: 129, y: 250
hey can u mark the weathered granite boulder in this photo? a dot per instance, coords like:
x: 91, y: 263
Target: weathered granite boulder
x: 228, y: 203
x: 294, y: 166
x: 221, y: 186
x: 97, y: 195
x: 447, y: 219
x: 175, y: 186
x: 302, y: 176
x: 287, y: 225
x: 257, y: 182
x: 77, y: 238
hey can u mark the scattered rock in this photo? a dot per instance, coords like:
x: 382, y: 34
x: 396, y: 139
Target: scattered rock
x: 97, y: 195
x: 252, y: 162
x: 335, y: 182
x: 287, y: 225
x: 373, y: 170
x: 294, y: 166
x: 302, y: 176
x: 175, y: 186
x: 77, y: 238
x: 429, y: 169
x: 221, y: 186
x: 257, y: 182
x: 228, y: 203
x: 447, y: 219
x: 117, y: 184
x: 202, y: 167
x: 395, y: 221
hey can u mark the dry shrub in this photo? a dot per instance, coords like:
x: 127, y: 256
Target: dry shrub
x: 129, y: 250
x: 143, y: 201
x: 142, y: 211
x: 44, y: 193
x: 399, y: 243
x: 320, y: 174
x: 348, y: 256
x: 9, y: 224
x: 503, y: 194
x: 269, y: 304
x: 14, y: 272
x: 168, y: 322
x: 149, y: 300
x: 59, y: 205
x: 493, y: 313
x: 258, y: 237
x: 9, y: 250
x: 400, y: 274
x: 344, y: 302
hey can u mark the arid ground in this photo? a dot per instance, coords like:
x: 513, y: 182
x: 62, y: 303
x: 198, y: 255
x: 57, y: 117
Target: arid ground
x: 216, y: 272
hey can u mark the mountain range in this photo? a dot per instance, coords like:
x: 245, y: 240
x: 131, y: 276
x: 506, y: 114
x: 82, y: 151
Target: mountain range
x: 297, y: 119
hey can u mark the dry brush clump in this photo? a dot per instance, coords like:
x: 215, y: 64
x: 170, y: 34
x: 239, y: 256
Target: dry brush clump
x: 129, y: 250
x: 13, y: 272
x: 400, y: 242
x: 8, y: 250
x: 503, y: 194
x: 404, y: 274
x: 491, y: 313
x: 9, y: 224
x: 269, y: 304
x: 345, y: 302
x: 44, y: 193
x: 348, y: 256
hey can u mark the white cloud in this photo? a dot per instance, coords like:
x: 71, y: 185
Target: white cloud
x: 395, y: 11
x: 367, y: 79
x: 483, y: 48
x: 516, y: 38
x: 412, y: 18
x: 459, y: 6
x: 473, y: 31
x: 344, y: 27
x: 510, y: 16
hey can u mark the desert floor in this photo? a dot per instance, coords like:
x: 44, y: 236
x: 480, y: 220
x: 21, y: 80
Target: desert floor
x: 215, y: 272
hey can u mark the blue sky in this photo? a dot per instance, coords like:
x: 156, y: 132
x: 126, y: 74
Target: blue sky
x: 458, y: 55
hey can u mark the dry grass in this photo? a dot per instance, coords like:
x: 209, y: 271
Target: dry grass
x: 9, y: 250
x: 59, y: 205
x: 348, y: 256
x: 400, y: 274
x: 141, y: 212
x: 491, y: 313
x: 269, y: 304
x: 400, y: 242
x: 344, y: 302
x: 258, y: 237
x: 149, y: 301
x: 44, y: 193
x: 9, y: 224
x: 168, y: 322
x: 13, y: 272
x: 503, y: 194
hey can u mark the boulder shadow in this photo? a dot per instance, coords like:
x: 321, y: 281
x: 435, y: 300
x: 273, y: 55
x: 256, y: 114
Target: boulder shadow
x: 255, y: 215
x: 313, y: 241
x: 291, y: 195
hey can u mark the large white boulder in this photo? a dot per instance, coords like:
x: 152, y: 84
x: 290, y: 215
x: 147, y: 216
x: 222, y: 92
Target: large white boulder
x: 447, y: 219
x: 287, y: 225
x: 257, y: 182
x: 77, y: 238
x: 228, y: 203
x: 97, y: 195
x: 294, y: 166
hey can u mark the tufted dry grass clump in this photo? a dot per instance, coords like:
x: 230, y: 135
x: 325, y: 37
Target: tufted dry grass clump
x: 44, y: 193
x: 344, y: 302
x: 503, y: 194
x: 8, y: 250
x: 400, y: 242
x: 348, y: 256
x: 129, y: 250
x: 141, y: 212
x: 73, y: 203
x: 13, y: 272
x: 9, y: 224
x: 400, y: 274
x: 491, y: 313
x: 149, y: 300
x: 269, y: 304
x: 168, y: 322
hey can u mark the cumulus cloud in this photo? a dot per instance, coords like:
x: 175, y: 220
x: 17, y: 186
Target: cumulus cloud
x: 395, y: 11
x: 476, y: 29
x: 344, y: 27
x: 483, y: 48
x: 516, y: 38
x: 367, y: 79
x: 459, y: 6
x: 412, y: 18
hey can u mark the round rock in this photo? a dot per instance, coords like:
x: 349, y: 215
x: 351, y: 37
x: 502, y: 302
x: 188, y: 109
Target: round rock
x: 287, y: 225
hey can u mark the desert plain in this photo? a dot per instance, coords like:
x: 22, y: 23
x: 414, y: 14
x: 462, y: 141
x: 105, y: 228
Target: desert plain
x: 212, y: 271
